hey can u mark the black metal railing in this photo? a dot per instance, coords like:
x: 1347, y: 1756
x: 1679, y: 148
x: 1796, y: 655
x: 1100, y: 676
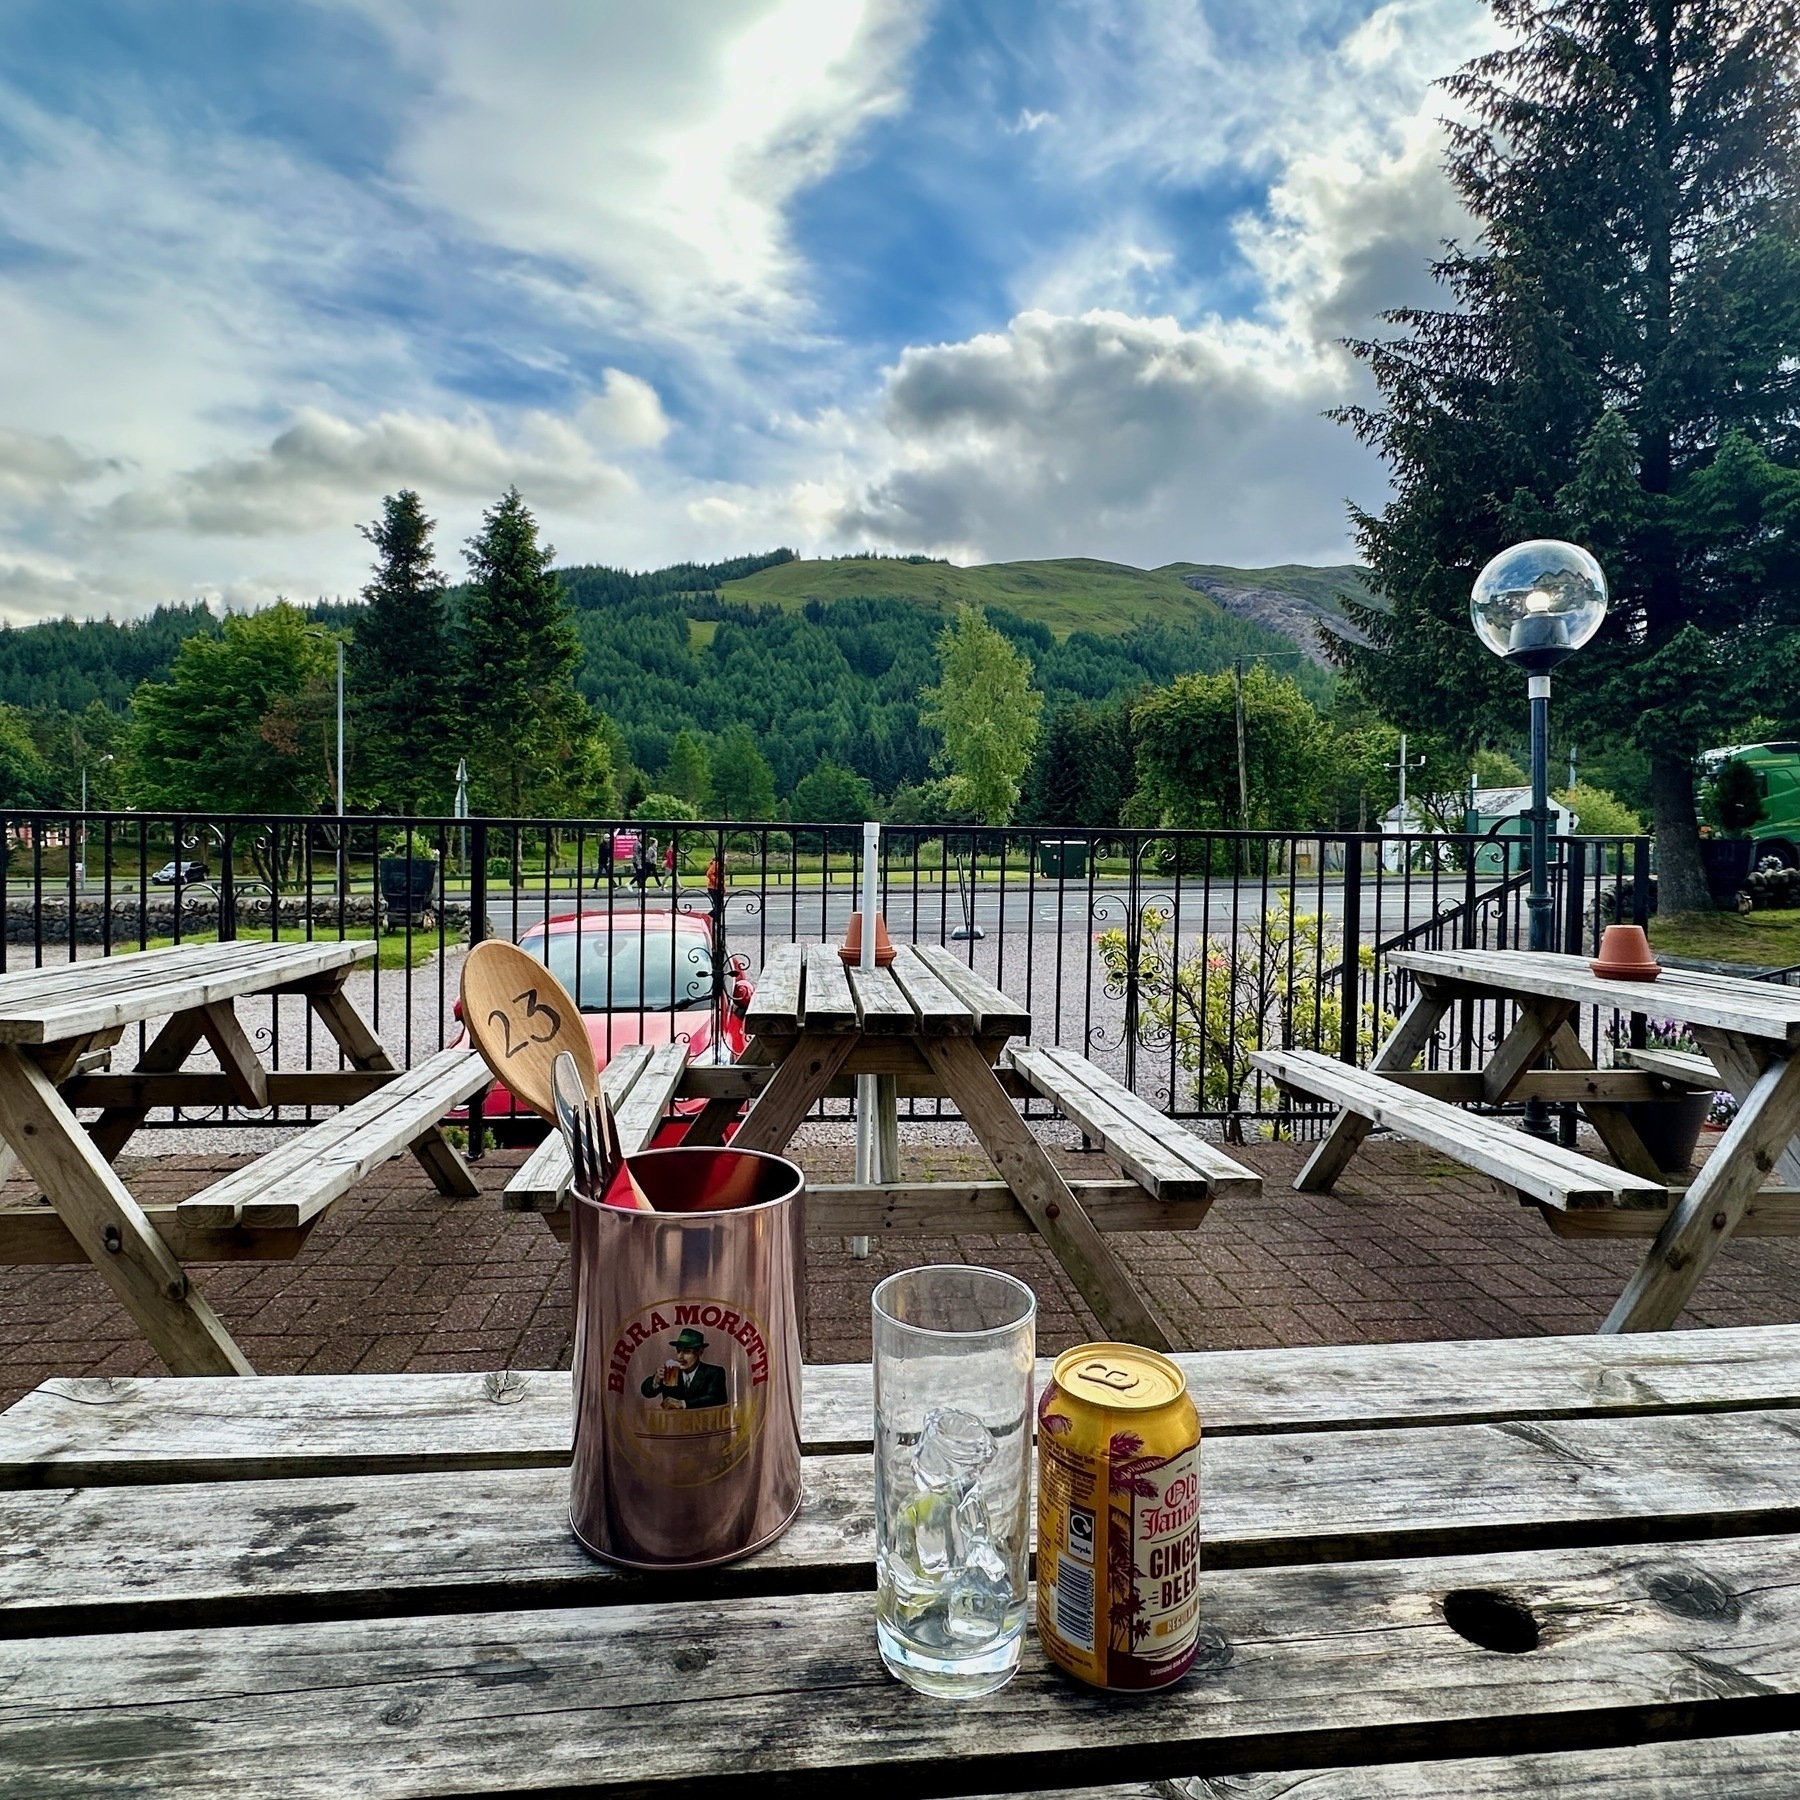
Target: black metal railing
x: 1167, y: 956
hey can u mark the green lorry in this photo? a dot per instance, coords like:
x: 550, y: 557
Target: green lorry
x: 1776, y: 768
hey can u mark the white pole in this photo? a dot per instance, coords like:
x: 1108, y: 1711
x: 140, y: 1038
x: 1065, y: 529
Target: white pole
x: 1403, y: 781
x: 866, y: 1100
x: 340, y: 726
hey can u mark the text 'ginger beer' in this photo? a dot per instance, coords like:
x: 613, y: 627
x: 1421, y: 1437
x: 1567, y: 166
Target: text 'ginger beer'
x: 1118, y: 1518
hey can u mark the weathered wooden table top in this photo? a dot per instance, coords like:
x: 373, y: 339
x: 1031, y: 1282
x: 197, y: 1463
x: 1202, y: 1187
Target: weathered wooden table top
x: 57, y: 1001
x: 1756, y: 1009
x: 927, y: 990
x: 365, y: 1585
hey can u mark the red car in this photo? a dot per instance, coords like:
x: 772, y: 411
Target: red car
x: 638, y: 978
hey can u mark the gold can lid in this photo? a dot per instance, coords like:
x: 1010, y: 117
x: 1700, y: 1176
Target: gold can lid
x: 1126, y: 1376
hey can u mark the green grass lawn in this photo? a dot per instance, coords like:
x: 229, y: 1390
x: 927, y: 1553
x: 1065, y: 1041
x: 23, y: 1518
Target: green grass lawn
x: 1771, y: 939
x: 392, y: 953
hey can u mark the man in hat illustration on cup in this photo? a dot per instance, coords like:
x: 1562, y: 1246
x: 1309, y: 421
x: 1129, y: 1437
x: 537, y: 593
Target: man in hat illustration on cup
x: 685, y: 1380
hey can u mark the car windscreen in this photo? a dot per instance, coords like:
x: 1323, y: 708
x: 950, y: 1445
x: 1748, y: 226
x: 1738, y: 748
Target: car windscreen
x: 629, y: 972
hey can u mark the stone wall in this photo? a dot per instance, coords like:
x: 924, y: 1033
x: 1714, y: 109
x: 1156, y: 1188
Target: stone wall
x: 27, y: 922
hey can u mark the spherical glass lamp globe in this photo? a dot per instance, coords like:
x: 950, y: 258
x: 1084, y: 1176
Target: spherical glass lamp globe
x: 1538, y: 602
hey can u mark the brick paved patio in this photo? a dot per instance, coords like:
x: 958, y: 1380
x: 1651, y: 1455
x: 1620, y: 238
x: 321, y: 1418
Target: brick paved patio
x: 1410, y: 1246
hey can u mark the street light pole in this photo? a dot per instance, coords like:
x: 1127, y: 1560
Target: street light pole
x: 1537, y: 903
x: 1536, y: 605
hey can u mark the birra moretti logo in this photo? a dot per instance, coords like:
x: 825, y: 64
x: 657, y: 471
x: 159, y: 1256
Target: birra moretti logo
x: 673, y: 1317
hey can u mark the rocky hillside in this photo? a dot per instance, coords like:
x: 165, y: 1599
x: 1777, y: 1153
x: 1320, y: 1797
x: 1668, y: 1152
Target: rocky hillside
x: 1294, y: 600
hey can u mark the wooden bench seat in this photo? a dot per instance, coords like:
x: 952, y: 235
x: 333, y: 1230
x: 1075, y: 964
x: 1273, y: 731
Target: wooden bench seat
x: 1555, y: 1177
x: 1675, y: 1065
x: 1167, y: 1161
x: 295, y: 1184
x: 640, y: 1083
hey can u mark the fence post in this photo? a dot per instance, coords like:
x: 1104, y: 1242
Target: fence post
x: 1574, y: 893
x: 228, y: 890
x: 1134, y: 937
x: 1351, y: 972
x: 477, y: 931
x: 1640, y: 915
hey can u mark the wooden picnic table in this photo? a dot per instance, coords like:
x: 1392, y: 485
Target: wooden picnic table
x: 928, y: 1025
x: 1749, y: 1030
x: 58, y: 1026
x: 318, y: 1586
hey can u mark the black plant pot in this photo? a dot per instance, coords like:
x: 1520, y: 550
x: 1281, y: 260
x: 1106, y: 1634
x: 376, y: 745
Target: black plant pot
x: 408, y: 885
x: 1670, y: 1128
x: 1727, y: 865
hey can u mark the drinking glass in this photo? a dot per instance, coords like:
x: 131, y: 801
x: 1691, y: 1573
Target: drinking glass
x: 954, y: 1349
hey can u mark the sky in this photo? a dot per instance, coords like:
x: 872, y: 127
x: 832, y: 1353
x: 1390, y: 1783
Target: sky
x: 988, y: 279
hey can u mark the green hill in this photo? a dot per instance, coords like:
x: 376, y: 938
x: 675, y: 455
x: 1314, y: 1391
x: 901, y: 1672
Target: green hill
x: 1068, y: 594
x: 1074, y: 593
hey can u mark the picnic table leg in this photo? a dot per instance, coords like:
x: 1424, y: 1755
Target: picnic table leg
x: 163, y: 1055
x: 1739, y: 1065
x: 58, y: 1061
x: 1417, y: 1026
x: 887, y: 1127
x: 805, y: 1073
x: 1616, y: 1131
x: 1046, y: 1199
x: 1712, y: 1209
x: 109, y: 1225
x: 438, y: 1157
x: 712, y: 1121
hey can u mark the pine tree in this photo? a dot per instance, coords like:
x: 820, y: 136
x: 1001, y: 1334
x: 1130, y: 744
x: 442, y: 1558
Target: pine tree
x: 1621, y: 366
x: 535, y: 745
x: 402, y: 676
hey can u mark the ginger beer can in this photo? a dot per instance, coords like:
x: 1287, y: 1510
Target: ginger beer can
x: 1118, y: 1519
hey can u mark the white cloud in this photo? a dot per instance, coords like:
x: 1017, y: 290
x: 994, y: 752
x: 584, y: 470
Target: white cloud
x: 1095, y: 425
x: 1112, y: 436
x: 200, y: 396
x: 35, y: 469
x: 320, y: 465
x: 650, y: 148
x: 627, y: 411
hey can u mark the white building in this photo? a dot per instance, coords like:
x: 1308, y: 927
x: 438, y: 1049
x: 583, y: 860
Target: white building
x: 1499, y: 812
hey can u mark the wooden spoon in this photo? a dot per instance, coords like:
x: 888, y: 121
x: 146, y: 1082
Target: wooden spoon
x: 520, y: 1017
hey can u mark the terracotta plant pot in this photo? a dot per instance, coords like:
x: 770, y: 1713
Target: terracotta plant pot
x: 851, y: 951
x: 1625, y: 955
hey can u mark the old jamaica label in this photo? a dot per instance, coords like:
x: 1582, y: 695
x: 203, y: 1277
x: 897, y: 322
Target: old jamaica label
x: 1118, y: 1518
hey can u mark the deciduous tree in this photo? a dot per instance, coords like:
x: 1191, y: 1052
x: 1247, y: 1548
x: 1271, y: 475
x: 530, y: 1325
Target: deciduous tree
x: 832, y: 795
x: 243, y: 724
x: 986, y: 711
x: 687, y: 774
x: 743, y: 784
x: 1187, y: 753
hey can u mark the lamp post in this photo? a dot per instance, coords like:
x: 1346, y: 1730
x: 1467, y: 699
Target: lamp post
x: 1535, y: 605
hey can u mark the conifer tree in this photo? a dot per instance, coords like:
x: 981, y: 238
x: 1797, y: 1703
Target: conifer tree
x: 535, y: 744
x: 402, y: 677
x: 1620, y: 365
